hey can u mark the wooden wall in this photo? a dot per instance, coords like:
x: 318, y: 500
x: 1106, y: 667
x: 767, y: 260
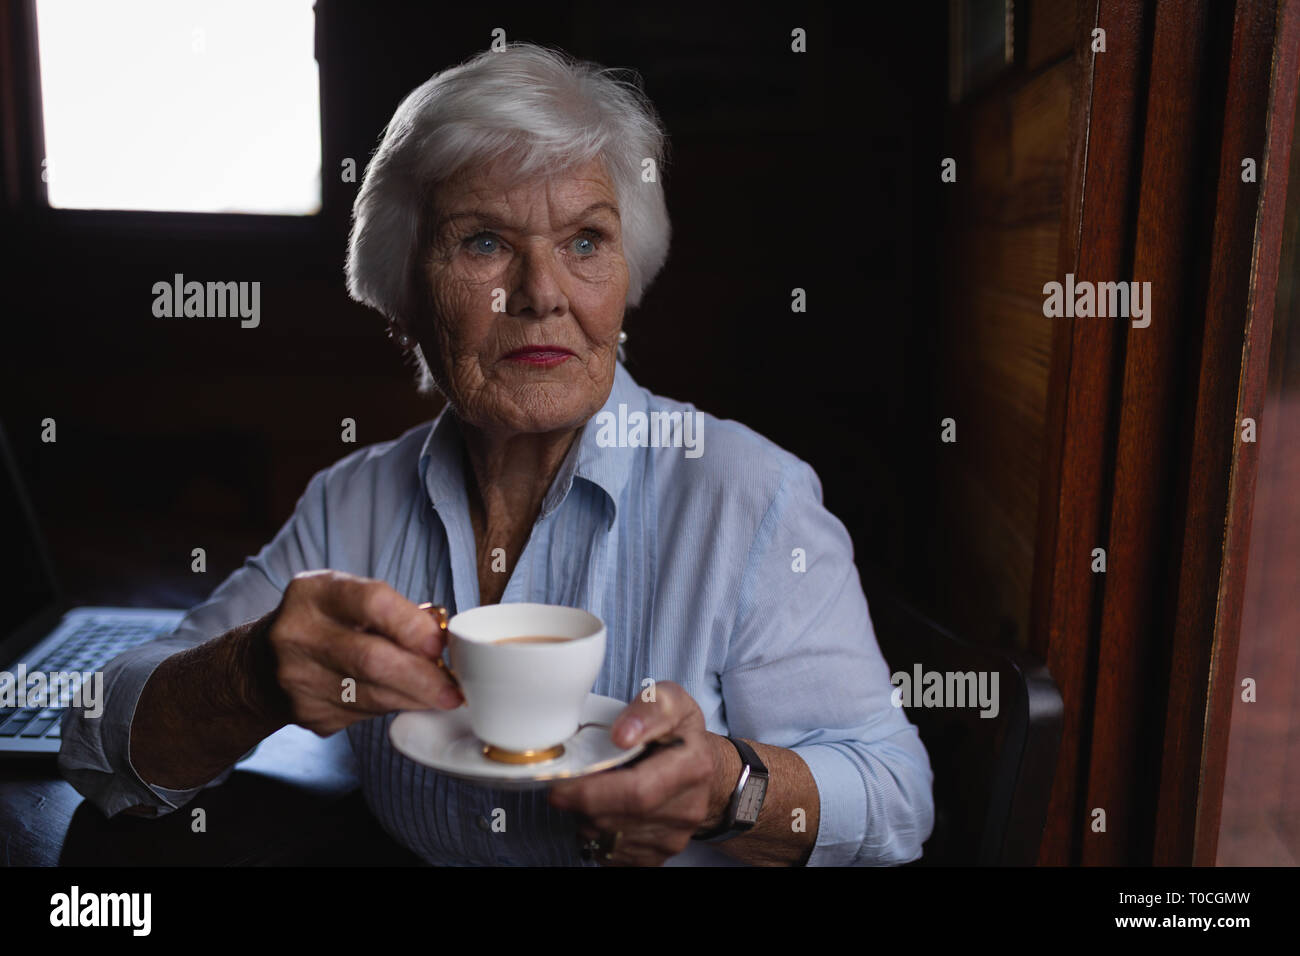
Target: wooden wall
x: 1141, y: 455
x: 1004, y: 220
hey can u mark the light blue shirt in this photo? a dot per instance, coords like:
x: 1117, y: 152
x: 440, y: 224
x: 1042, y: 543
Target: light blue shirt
x: 719, y: 569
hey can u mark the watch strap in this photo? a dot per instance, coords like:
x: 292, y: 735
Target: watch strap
x: 749, y: 756
x: 751, y: 766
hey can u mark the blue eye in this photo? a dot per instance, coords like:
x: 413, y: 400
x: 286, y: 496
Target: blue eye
x: 484, y: 243
x: 585, y: 245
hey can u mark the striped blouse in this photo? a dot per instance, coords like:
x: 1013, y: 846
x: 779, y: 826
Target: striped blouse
x: 706, y: 551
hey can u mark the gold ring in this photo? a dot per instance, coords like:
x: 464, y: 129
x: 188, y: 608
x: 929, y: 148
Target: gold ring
x: 605, y: 845
x: 440, y: 617
x: 613, y: 844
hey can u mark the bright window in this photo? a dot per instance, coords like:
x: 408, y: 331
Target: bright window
x: 181, y: 105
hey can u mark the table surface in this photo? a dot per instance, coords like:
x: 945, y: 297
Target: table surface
x: 295, y: 801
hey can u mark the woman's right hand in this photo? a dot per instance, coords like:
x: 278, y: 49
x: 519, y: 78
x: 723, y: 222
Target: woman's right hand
x: 346, y: 648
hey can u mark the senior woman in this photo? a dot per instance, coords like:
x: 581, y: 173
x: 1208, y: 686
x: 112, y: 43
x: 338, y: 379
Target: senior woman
x: 512, y: 212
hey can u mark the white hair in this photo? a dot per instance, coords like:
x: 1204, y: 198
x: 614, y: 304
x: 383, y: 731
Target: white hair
x: 543, y: 111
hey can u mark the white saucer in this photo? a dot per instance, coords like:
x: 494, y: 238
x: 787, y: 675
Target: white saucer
x: 443, y: 740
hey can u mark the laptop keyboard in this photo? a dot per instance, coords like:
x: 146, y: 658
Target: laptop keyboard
x: 92, y: 644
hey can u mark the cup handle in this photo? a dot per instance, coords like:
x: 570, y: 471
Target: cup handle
x: 440, y: 615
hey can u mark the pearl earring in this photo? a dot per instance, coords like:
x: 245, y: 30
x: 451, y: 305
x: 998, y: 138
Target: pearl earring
x: 622, y: 337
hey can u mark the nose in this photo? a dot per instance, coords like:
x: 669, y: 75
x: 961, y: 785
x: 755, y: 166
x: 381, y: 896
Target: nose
x: 537, y: 290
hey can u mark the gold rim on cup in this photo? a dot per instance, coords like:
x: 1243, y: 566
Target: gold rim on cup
x: 501, y: 755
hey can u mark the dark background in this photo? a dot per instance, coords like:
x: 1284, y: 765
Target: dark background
x: 815, y: 170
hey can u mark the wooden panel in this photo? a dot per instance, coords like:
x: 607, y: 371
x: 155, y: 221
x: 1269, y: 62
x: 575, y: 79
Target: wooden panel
x: 1145, y: 472
x: 1233, y: 377
x: 1011, y: 150
x: 1095, y: 239
x: 1126, y: 738
x: 1051, y: 30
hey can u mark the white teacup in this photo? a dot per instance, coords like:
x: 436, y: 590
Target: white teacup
x: 525, y: 698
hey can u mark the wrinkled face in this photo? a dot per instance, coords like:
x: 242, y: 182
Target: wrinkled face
x: 528, y: 285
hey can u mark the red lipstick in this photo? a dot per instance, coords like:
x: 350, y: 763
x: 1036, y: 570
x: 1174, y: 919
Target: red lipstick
x: 541, y: 356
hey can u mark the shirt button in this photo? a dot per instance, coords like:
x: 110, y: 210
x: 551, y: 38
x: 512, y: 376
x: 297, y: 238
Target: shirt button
x: 483, y: 823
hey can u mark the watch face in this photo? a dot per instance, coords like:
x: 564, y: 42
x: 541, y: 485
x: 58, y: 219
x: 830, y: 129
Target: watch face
x: 751, y: 800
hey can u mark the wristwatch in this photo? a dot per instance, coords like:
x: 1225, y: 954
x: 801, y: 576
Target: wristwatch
x: 746, y: 799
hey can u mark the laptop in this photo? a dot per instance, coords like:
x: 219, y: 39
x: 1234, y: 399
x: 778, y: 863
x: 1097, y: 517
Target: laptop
x: 50, y: 650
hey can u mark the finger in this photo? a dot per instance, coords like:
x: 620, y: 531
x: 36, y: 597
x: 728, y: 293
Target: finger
x: 625, y: 856
x: 376, y: 606
x: 309, y: 679
x: 633, y: 847
x: 641, y: 720
x: 646, y: 846
x: 376, y: 660
x: 380, y: 699
x: 683, y: 813
x: 639, y: 832
x: 634, y: 791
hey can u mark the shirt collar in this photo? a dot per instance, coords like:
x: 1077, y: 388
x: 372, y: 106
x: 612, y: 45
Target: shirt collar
x: 606, y: 468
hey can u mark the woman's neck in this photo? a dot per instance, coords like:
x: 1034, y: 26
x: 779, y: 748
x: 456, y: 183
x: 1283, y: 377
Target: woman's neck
x: 507, y: 480
x: 512, y: 473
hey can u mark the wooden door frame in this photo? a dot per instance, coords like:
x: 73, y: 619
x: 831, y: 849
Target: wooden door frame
x: 1234, y: 371
x: 1143, y: 456
x: 1095, y: 239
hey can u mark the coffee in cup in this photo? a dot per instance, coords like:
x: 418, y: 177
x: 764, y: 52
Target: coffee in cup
x: 531, y: 640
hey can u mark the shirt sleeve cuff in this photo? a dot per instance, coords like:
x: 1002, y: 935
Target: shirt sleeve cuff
x: 842, y: 806
x: 95, y: 752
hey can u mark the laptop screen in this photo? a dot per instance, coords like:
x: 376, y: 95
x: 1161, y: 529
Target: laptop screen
x: 26, y: 578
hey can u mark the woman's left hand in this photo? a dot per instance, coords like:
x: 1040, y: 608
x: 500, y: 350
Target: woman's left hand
x: 657, y: 805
